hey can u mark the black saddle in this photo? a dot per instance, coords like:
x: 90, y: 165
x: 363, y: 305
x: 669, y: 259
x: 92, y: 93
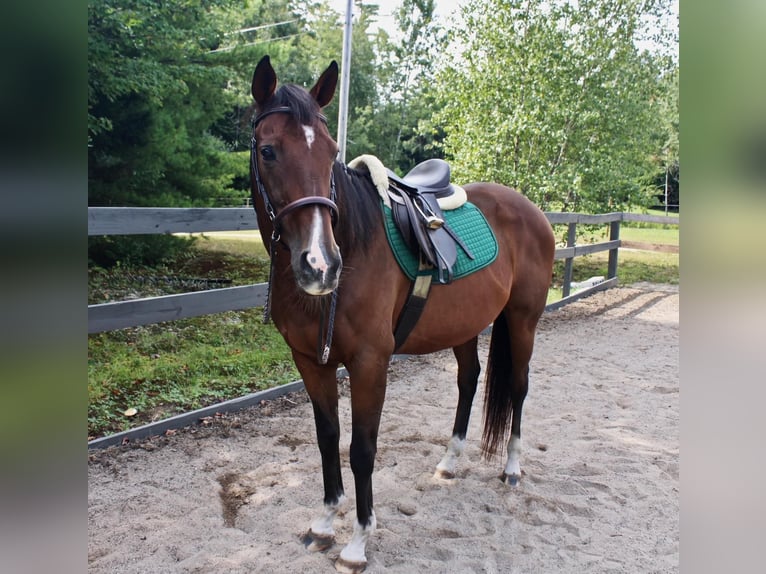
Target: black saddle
x: 431, y: 176
x: 419, y: 218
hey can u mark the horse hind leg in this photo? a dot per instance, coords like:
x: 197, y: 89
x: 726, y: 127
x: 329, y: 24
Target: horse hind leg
x: 507, y: 385
x: 512, y: 471
x: 467, y: 379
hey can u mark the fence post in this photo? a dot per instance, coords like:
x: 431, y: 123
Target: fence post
x: 614, y: 234
x: 571, y: 238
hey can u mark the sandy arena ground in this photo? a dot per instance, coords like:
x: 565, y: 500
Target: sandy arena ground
x: 599, y: 492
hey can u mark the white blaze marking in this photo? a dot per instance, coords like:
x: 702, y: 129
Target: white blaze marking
x: 310, y: 136
x: 449, y: 460
x: 513, y: 466
x: 354, y: 551
x: 316, y: 256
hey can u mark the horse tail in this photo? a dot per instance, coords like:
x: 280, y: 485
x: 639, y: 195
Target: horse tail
x: 498, y: 403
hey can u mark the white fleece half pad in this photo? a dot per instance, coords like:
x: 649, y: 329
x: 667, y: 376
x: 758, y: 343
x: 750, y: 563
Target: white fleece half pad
x: 379, y: 176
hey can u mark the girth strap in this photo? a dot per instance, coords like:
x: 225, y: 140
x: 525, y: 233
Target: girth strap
x: 415, y: 304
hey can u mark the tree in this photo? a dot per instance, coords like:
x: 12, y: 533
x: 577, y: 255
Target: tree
x: 153, y: 94
x: 403, y: 72
x: 666, y: 179
x: 554, y: 99
x: 364, y: 94
x: 414, y: 57
x: 305, y: 51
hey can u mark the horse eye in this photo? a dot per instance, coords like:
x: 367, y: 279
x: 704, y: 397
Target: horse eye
x: 267, y: 153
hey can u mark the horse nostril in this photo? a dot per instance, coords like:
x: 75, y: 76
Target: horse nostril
x: 312, y: 263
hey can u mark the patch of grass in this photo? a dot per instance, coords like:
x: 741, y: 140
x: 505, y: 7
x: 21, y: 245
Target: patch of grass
x: 629, y: 231
x: 164, y: 369
x: 244, y: 243
x: 666, y: 235
x: 632, y: 267
x: 173, y: 367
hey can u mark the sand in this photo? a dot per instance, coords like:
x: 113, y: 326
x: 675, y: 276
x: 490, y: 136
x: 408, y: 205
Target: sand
x: 600, y: 468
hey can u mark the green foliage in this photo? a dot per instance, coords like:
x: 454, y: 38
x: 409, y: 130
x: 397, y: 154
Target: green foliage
x: 153, y: 95
x: 396, y: 126
x: 554, y: 99
x: 206, y: 262
x: 667, y: 160
x: 110, y: 250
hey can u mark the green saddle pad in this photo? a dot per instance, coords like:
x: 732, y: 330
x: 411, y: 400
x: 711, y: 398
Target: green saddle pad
x: 468, y: 223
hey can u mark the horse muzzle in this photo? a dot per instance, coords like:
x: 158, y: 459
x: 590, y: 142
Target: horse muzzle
x: 317, y: 272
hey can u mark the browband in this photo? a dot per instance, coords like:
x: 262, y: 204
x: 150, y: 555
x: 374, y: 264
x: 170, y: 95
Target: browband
x: 281, y: 110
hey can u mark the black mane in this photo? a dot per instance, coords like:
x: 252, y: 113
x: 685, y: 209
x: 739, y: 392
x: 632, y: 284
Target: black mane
x: 359, y: 210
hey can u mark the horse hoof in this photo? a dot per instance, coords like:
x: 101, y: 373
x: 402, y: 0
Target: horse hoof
x: 444, y: 474
x: 317, y: 542
x: 349, y: 567
x: 510, y: 479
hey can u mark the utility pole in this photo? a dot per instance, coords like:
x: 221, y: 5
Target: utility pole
x: 345, y: 70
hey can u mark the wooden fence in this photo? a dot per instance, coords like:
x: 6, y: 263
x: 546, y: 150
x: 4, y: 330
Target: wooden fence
x: 134, y: 221
x: 150, y: 220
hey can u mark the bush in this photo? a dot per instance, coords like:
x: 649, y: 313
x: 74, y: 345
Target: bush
x: 110, y: 250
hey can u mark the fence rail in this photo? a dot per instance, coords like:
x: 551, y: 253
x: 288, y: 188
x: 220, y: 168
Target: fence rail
x: 151, y: 220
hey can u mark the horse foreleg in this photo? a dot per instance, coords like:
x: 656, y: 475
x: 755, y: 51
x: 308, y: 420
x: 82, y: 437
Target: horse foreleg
x: 468, y: 369
x: 353, y: 559
x: 321, y: 535
x: 368, y: 389
x: 321, y: 385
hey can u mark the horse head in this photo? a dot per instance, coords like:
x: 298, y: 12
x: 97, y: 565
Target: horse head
x: 292, y: 156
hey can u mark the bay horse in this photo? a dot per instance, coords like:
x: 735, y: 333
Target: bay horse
x: 335, y: 282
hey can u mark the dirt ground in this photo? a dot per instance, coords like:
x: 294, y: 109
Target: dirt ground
x: 599, y: 491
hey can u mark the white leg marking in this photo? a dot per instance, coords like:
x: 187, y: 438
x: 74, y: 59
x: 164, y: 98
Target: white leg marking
x: 446, y: 468
x: 354, y: 551
x: 323, y: 525
x: 310, y: 135
x: 513, y: 466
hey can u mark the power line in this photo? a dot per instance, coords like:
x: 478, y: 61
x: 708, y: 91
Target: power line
x: 230, y: 48
x: 262, y: 27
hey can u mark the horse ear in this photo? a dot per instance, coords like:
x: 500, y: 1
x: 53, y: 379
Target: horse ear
x: 324, y: 89
x: 264, y: 81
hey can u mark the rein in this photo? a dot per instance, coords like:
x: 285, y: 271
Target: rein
x: 325, y: 339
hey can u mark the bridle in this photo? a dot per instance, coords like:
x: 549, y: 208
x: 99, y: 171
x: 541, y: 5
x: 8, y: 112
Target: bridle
x: 274, y: 217
x: 324, y: 342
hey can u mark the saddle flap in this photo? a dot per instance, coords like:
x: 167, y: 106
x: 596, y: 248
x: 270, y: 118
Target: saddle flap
x: 421, y: 223
x: 412, y: 230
